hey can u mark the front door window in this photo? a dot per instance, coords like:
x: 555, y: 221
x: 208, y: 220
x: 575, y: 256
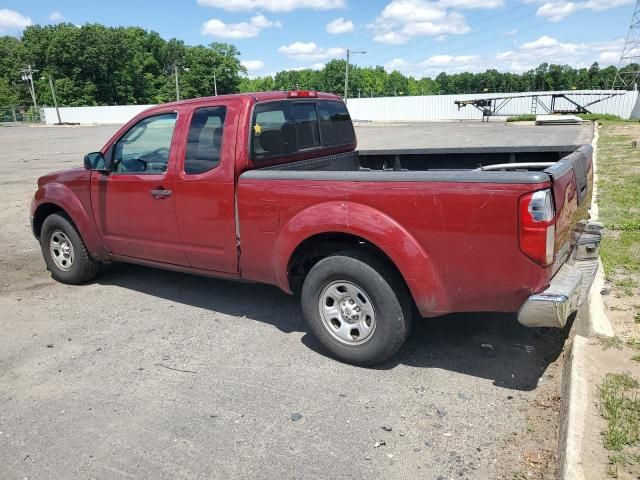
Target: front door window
x: 145, y: 148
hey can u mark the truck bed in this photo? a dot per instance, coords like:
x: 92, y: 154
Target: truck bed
x: 518, y: 165
x: 443, y: 199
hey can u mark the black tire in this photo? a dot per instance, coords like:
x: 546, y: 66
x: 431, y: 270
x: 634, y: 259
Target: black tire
x: 83, y: 268
x: 387, y: 293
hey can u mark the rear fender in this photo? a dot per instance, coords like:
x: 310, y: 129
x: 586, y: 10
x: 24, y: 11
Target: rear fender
x: 375, y: 227
x: 63, y: 197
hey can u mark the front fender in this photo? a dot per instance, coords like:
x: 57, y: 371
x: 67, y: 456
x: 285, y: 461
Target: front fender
x: 66, y: 199
x: 379, y: 229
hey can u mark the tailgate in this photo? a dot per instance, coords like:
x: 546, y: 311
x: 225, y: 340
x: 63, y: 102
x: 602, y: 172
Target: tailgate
x: 572, y: 184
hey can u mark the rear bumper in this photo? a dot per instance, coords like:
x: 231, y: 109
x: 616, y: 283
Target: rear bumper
x: 569, y: 287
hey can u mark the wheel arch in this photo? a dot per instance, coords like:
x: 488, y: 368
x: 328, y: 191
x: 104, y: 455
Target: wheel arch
x: 327, y: 228
x: 42, y: 212
x: 56, y: 197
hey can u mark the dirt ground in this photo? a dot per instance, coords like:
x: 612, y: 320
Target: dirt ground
x: 153, y: 374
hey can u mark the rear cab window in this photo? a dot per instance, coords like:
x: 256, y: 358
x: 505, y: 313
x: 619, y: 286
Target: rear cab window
x: 287, y: 127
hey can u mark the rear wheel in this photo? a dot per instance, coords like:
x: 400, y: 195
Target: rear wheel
x: 356, y: 307
x: 64, y: 252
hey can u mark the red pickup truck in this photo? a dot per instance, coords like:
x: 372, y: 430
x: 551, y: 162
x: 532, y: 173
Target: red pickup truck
x: 269, y: 187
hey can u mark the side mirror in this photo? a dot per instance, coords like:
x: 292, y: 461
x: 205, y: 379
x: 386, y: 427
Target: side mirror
x: 95, y: 161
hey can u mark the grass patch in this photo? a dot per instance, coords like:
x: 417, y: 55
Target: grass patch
x: 530, y: 117
x: 620, y: 406
x: 611, y: 342
x: 527, y: 117
x: 621, y: 252
x: 619, y: 198
x: 599, y: 116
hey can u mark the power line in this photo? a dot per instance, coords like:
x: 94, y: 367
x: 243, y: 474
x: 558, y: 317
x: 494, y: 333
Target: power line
x: 417, y: 43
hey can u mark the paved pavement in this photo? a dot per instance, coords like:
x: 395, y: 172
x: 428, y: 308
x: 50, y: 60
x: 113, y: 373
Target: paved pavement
x: 153, y: 374
x: 470, y: 134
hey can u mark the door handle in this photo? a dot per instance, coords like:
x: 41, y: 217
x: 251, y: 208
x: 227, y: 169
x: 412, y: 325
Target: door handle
x: 160, y: 193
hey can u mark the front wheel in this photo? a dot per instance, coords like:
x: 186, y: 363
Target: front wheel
x: 64, y: 252
x: 356, y: 307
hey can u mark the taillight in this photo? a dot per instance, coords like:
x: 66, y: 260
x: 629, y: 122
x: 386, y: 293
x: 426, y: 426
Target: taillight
x: 537, y: 226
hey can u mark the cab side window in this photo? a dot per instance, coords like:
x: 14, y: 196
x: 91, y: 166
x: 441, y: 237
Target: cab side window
x: 204, y: 141
x: 145, y: 148
x: 335, y: 124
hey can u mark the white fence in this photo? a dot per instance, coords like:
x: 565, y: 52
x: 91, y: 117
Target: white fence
x: 395, y: 109
x: 441, y: 107
x: 101, y: 115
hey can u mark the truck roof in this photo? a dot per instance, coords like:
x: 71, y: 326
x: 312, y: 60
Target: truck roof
x: 256, y: 97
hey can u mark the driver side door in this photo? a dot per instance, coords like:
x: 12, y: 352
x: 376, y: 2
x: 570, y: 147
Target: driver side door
x: 134, y: 204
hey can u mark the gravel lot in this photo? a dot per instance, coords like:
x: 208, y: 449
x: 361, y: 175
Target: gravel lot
x: 153, y: 374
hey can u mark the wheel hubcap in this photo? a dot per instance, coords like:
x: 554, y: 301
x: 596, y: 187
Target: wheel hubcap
x: 61, y: 250
x: 347, y: 312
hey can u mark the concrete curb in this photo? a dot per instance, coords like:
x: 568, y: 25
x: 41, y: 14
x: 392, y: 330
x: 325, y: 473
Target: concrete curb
x: 573, y: 410
x: 598, y: 323
x: 593, y: 321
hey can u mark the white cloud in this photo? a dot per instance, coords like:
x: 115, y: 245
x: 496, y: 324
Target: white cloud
x: 544, y: 42
x: 315, y: 66
x: 340, y: 25
x: 520, y: 59
x: 310, y: 51
x: 250, y: 29
x: 511, y: 33
x: 12, y: 21
x: 611, y: 57
x: 56, y: 17
x: 434, y: 64
x: 550, y: 50
x: 403, y: 19
x: 443, y: 61
x: 252, y: 65
x: 272, y: 5
x: 393, y: 38
x: 469, y: 4
x: 399, y: 64
x: 557, y: 10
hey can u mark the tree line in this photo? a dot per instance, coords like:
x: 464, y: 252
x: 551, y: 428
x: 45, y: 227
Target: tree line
x: 98, y: 65
x: 376, y: 81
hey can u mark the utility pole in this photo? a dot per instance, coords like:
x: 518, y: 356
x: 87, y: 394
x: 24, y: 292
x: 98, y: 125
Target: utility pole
x: 27, y: 76
x: 215, y: 84
x: 346, y: 73
x: 175, y: 70
x: 55, y: 100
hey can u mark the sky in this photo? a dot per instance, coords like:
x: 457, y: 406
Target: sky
x: 417, y: 37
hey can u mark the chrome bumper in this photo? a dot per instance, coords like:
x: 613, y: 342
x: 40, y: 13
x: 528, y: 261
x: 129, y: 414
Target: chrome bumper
x: 569, y: 287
